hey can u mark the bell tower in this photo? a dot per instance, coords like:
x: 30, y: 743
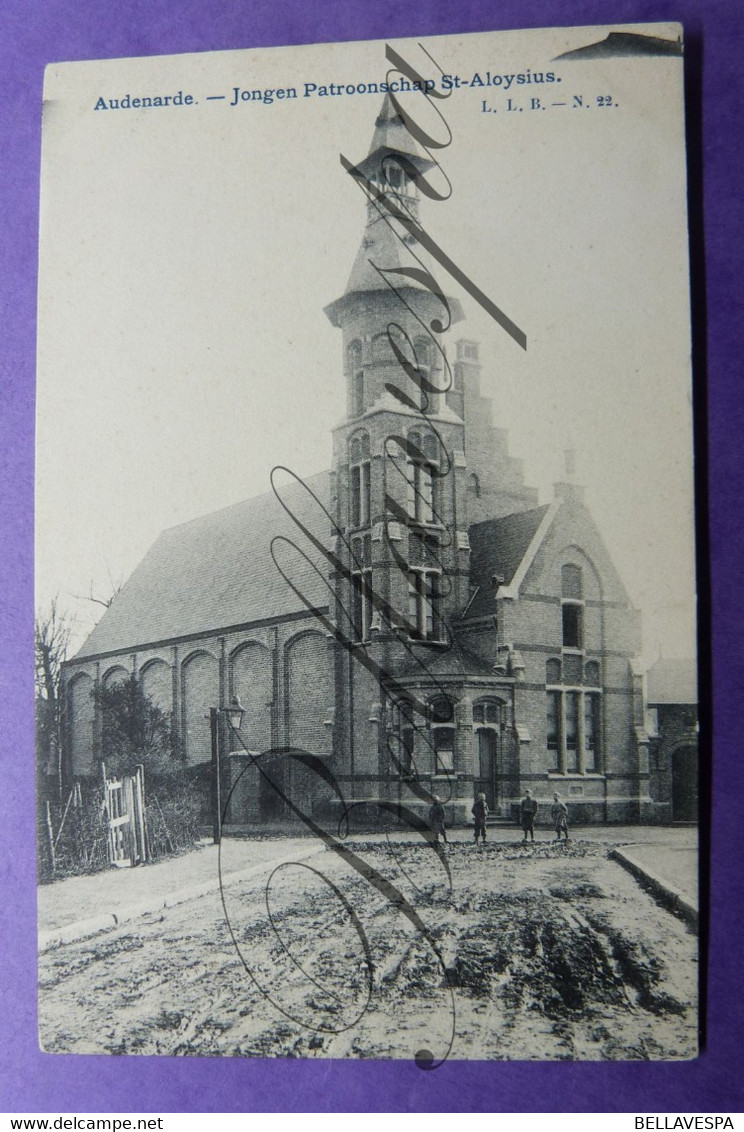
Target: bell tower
x: 399, y: 480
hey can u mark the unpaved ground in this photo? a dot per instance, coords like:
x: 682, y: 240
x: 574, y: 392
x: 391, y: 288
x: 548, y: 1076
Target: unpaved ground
x: 542, y: 952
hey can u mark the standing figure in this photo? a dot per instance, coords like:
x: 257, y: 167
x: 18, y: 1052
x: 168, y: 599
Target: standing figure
x: 436, y: 820
x: 559, y: 814
x: 528, y: 810
x: 479, y: 811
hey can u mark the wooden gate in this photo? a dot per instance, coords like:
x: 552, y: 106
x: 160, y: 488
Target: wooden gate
x: 125, y: 807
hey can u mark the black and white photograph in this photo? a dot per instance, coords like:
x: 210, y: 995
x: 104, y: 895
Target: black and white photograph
x: 365, y: 646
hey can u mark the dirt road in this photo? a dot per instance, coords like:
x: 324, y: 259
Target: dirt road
x: 541, y: 952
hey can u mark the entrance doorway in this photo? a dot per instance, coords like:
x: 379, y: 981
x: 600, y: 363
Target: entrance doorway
x: 488, y: 780
x: 685, y: 784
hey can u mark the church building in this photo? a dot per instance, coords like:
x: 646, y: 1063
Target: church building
x: 414, y: 619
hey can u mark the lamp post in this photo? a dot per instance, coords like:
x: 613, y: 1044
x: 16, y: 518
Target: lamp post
x: 234, y: 715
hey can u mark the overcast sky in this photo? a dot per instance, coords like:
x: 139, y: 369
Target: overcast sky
x: 187, y: 254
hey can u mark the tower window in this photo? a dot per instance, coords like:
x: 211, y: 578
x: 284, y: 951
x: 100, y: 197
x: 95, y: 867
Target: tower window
x: 423, y: 604
x: 423, y: 352
x: 361, y: 586
x: 422, y: 468
x: 424, y: 586
x: 360, y: 475
x: 358, y: 385
x: 356, y: 377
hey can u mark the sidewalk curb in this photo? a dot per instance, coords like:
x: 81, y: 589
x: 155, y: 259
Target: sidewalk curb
x: 676, y: 901
x: 106, y: 921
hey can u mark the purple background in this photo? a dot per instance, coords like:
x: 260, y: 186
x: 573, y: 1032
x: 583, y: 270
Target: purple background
x: 34, y: 32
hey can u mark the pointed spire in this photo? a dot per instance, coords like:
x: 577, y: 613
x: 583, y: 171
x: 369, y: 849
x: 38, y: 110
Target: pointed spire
x: 385, y: 243
x: 392, y: 136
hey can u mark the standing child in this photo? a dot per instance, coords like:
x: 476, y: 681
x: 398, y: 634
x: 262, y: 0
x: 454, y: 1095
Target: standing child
x: 479, y: 811
x: 559, y: 814
x: 528, y: 810
x: 436, y: 820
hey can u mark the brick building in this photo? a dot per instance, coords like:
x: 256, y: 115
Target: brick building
x: 671, y: 694
x: 413, y: 618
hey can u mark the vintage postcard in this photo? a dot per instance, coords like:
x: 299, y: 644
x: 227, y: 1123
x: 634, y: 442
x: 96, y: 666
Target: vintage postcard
x: 366, y: 678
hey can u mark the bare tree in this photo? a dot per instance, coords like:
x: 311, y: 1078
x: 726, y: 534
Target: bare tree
x: 52, y: 632
x: 114, y: 586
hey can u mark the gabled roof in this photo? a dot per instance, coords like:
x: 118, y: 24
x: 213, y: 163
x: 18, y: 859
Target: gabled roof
x: 217, y: 571
x: 498, y: 547
x: 672, y: 681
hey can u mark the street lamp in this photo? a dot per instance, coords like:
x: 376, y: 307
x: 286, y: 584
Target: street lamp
x: 233, y: 713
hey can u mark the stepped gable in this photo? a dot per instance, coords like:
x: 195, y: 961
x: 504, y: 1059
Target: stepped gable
x: 498, y: 547
x: 215, y: 572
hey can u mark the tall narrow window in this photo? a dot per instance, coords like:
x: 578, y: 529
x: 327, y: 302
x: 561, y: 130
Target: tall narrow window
x: 591, y: 731
x: 361, y: 586
x: 424, y: 590
x: 572, y: 732
x: 572, y: 610
x: 356, y: 378
x: 360, y: 474
x: 428, y: 400
x: 554, y: 730
x: 422, y: 467
x: 572, y: 625
x: 443, y: 734
x: 474, y: 487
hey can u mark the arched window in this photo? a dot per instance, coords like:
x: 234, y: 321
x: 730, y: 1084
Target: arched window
x: 591, y: 674
x: 571, y: 585
x: 474, y: 487
x: 487, y: 713
x: 381, y: 349
x: 360, y: 481
x: 553, y: 672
